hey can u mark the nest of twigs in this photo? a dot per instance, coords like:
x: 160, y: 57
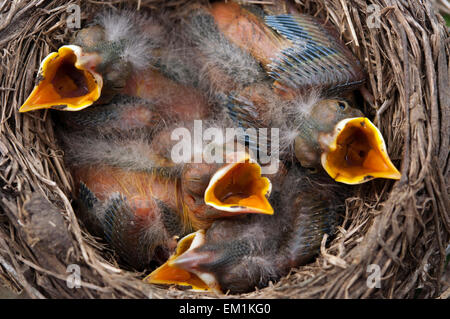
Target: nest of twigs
x: 403, y: 226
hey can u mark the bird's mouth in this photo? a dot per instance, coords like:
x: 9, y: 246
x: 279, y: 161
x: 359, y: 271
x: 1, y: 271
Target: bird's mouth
x: 356, y: 153
x: 238, y: 187
x: 66, y: 81
x: 172, y: 273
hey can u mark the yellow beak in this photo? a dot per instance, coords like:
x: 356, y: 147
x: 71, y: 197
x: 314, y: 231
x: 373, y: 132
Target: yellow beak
x: 169, y: 274
x: 65, y: 82
x: 356, y: 153
x: 238, y: 188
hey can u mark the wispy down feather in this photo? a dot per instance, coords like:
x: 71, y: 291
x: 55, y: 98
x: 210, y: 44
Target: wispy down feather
x: 138, y: 34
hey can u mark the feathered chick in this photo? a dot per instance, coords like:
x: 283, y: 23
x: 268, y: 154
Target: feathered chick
x: 98, y: 63
x: 132, y: 192
x: 319, y: 132
x: 304, y: 67
x: 238, y: 254
x: 297, y: 51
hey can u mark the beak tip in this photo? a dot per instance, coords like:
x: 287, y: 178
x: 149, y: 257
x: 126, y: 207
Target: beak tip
x: 25, y: 108
x: 268, y: 211
x: 397, y: 175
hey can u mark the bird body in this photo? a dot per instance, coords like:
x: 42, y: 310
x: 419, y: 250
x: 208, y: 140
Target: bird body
x: 306, y: 66
x: 135, y: 211
x: 131, y: 188
x: 186, y: 103
x: 244, y: 252
x: 247, y: 31
x: 165, y: 200
x: 298, y: 51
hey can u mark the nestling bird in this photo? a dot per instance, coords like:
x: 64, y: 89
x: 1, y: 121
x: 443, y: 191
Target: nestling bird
x: 98, y: 63
x: 241, y: 253
x: 131, y: 191
x: 304, y: 67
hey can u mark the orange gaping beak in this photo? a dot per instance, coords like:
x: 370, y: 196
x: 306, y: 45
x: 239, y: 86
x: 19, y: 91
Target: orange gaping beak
x: 239, y: 188
x: 65, y: 82
x: 356, y: 153
x: 170, y: 274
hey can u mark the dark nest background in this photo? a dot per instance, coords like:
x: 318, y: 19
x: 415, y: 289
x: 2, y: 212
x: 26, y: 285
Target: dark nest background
x: 401, y: 226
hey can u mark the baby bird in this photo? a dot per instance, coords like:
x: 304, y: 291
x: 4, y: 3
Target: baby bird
x: 319, y: 132
x: 142, y: 203
x: 98, y: 63
x: 134, y: 194
x: 297, y: 50
x: 304, y: 66
x: 238, y: 254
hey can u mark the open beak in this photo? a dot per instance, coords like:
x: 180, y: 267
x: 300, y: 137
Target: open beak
x: 171, y: 271
x: 239, y: 188
x: 66, y: 81
x: 355, y: 153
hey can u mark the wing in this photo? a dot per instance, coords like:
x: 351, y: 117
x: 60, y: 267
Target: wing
x: 132, y: 236
x: 316, y: 58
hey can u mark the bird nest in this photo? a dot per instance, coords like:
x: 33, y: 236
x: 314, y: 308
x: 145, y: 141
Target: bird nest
x: 397, y: 230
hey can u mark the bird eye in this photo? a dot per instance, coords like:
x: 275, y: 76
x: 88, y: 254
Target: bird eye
x: 312, y: 170
x: 342, y: 105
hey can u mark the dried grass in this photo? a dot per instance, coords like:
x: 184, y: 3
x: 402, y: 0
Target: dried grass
x: 404, y: 227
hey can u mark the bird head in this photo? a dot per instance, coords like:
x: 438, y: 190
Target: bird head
x: 67, y: 80
x: 213, y: 261
x: 97, y: 63
x: 213, y: 191
x: 349, y: 146
x: 239, y: 187
x: 169, y: 273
